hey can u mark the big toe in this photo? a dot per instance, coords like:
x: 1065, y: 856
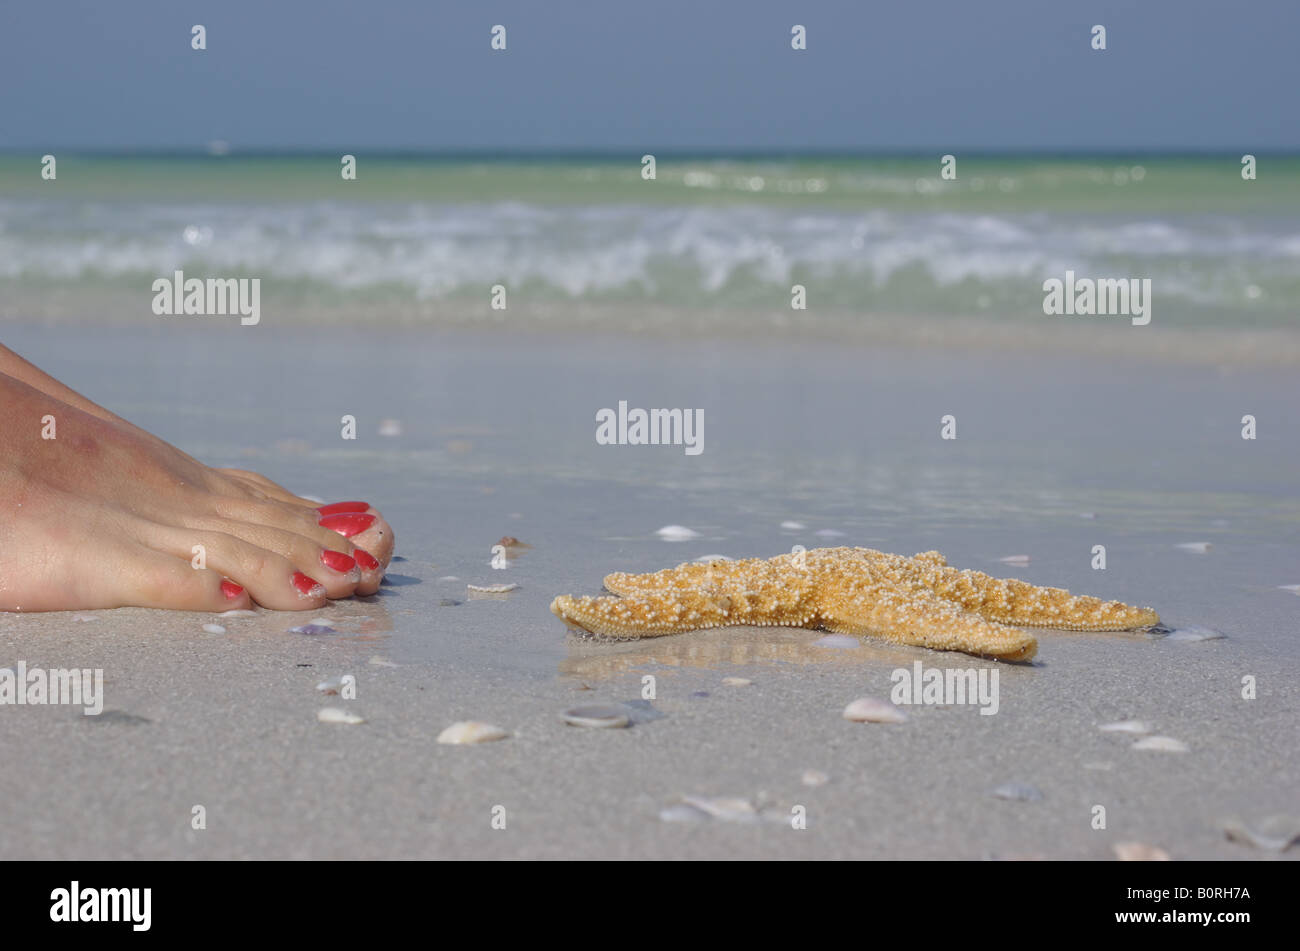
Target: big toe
x: 366, y: 530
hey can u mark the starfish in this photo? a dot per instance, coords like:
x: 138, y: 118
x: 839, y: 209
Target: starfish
x: 859, y: 591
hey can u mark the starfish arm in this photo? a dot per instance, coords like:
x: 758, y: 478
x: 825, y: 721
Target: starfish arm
x: 922, y: 619
x: 1010, y: 601
x: 656, y: 614
x: 749, y: 573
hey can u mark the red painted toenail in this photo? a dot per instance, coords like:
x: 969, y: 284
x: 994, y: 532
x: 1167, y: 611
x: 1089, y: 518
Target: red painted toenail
x: 230, y: 589
x: 367, y: 561
x: 340, y: 507
x: 308, y: 587
x: 348, y: 524
x: 337, y: 561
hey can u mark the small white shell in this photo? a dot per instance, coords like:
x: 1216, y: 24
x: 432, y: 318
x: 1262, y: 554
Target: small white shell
x: 1274, y: 834
x: 330, y: 686
x: 338, y: 715
x: 1126, y: 726
x: 1015, y: 560
x: 871, y: 710
x: 1163, y: 744
x: 390, y: 427
x: 706, y: 559
x: 471, y: 731
x: 1139, y: 852
x: 814, y: 777
x: 382, y: 662
x: 676, y: 533
x: 492, y: 588
x: 214, y: 628
x: 238, y: 612
x: 1293, y: 588
x: 84, y: 617
x: 681, y: 813
x: 1018, y: 792
x: 793, y: 526
x: 1196, y: 548
x: 606, y: 716
x: 726, y: 808
x: 828, y: 533
x: 736, y: 682
x: 1194, y: 634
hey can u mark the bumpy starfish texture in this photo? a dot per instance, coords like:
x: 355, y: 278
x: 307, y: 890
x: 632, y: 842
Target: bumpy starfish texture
x: 859, y: 591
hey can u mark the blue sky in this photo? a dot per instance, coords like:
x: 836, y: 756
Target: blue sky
x: 660, y: 75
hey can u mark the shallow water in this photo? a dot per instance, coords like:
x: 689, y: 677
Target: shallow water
x: 1051, y: 458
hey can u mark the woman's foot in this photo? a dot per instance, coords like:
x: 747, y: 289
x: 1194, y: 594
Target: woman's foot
x: 97, y: 513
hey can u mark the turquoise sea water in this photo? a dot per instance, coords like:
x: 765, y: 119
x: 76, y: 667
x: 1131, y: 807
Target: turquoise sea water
x: 423, y: 239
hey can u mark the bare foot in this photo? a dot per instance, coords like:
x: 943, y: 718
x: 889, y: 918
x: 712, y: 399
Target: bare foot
x: 105, y: 515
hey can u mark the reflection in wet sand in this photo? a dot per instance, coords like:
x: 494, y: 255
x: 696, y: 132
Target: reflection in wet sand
x: 738, y: 646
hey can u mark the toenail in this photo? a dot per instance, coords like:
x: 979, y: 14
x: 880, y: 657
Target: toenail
x: 337, y: 561
x: 341, y: 507
x: 230, y: 589
x: 308, y: 587
x: 367, y: 561
x: 347, y: 524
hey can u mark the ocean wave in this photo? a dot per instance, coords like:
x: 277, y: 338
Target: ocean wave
x: 681, y: 255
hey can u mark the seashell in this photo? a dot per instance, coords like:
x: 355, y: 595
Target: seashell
x: 84, y: 618
x: 837, y: 642
x: 828, y: 533
x: 1194, y: 634
x: 606, y: 716
x: 726, y: 808
x: 312, y: 629
x: 448, y: 578
x: 1162, y: 744
x: 382, y: 662
x: 491, y: 588
x: 1196, y: 548
x: 1126, y: 726
x: 682, y: 813
x: 814, y: 777
x: 705, y: 559
x: 214, y: 628
x: 332, y: 685
x: 736, y: 682
x: 1273, y: 834
x: 1015, y: 560
x: 390, y: 427
x: 1139, y: 852
x: 471, y: 731
x: 871, y: 710
x: 322, y: 621
x: 238, y: 612
x: 793, y: 526
x: 1293, y: 588
x: 338, y: 715
x: 676, y: 533
x: 1018, y: 792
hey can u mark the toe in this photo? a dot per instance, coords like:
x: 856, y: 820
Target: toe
x: 366, y: 530
x: 273, y: 579
x: 144, y: 578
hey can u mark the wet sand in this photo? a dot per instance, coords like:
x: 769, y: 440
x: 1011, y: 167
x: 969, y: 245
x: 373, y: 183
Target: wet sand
x: 1055, y: 454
